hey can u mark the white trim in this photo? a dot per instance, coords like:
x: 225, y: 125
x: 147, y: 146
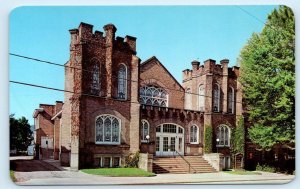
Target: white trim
x: 108, y: 143
x: 142, y: 130
x: 59, y: 113
x: 197, y: 134
x: 229, y: 136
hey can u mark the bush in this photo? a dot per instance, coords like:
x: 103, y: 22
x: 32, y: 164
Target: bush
x: 265, y: 168
x: 132, y: 160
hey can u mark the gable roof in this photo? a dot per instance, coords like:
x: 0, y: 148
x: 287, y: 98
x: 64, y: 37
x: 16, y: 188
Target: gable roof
x: 153, y: 58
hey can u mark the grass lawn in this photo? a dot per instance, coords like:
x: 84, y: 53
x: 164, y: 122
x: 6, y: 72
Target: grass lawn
x: 12, y: 176
x: 242, y: 172
x: 119, y: 172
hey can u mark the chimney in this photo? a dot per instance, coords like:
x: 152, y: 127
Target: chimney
x: 195, y: 65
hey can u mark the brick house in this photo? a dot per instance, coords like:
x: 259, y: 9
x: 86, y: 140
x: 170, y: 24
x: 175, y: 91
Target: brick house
x: 119, y: 105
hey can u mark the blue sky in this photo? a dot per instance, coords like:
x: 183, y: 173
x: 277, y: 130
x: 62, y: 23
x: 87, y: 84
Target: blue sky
x: 176, y: 35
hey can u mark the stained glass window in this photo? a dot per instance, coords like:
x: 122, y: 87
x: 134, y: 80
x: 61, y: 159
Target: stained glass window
x: 95, y: 85
x: 193, y: 134
x: 144, y: 130
x: 153, y: 95
x: 223, y: 134
x: 216, y: 100
x: 231, y: 100
x: 122, y: 82
x: 107, y: 130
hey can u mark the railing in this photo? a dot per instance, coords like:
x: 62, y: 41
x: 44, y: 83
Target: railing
x: 184, y: 160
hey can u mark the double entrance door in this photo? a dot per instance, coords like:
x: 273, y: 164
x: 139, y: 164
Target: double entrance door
x: 169, y: 140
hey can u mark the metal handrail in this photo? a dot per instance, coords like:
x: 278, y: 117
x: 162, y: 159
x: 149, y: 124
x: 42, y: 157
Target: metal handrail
x: 184, y: 160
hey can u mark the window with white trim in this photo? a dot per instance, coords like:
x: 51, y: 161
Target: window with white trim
x: 152, y: 95
x: 201, y: 98
x: 194, y: 132
x: 216, y: 99
x: 231, y: 100
x: 144, y: 130
x: 95, y: 85
x: 223, y: 134
x: 122, y: 82
x: 108, y: 129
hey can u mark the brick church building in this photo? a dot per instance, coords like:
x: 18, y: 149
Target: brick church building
x: 115, y: 105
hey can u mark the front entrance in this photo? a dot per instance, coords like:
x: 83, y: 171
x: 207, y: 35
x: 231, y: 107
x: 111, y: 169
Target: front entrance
x: 169, y: 140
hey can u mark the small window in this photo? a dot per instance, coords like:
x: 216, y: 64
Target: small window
x: 95, y: 85
x: 201, y: 98
x: 158, y: 129
x: 188, y: 99
x: 108, y: 130
x: 116, y: 162
x: 144, y: 130
x: 194, y: 134
x: 106, y: 162
x: 231, y: 100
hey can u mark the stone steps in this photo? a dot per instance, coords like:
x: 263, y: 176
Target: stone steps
x: 178, y: 165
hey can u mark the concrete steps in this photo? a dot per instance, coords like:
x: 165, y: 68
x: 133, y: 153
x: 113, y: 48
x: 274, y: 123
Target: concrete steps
x: 178, y: 165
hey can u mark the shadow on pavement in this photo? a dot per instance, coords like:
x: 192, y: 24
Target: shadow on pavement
x: 31, y: 165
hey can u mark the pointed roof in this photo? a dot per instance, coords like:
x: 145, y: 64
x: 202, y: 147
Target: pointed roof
x: 153, y: 58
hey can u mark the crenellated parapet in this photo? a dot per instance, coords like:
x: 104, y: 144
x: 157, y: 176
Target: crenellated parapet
x: 209, y: 67
x: 84, y: 34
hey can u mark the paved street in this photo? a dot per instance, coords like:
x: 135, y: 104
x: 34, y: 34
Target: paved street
x: 37, y: 172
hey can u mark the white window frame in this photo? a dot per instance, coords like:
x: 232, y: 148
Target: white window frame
x: 125, y: 82
x: 103, y: 142
x: 144, y: 98
x: 231, y: 90
x: 219, y: 134
x: 143, y: 121
x: 197, y: 134
x: 219, y: 97
x: 201, y: 98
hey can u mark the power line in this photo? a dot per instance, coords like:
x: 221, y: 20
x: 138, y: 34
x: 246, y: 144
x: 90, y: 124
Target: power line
x: 56, y: 64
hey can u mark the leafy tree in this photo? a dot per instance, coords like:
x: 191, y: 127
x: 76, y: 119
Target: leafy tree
x: 268, y: 78
x: 20, y: 133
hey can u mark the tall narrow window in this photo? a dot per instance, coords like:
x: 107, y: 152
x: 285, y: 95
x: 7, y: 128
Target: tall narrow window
x: 144, y: 130
x: 194, y: 134
x: 122, y: 82
x: 216, y: 99
x: 231, y: 100
x: 188, y: 99
x: 107, y: 130
x: 223, y: 134
x: 95, y: 85
x: 201, y: 98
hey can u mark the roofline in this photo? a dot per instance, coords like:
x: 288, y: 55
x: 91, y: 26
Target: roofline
x: 154, y: 57
x: 37, y: 111
x: 56, y: 115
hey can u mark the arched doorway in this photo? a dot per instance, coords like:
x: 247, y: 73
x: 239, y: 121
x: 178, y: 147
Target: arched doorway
x: 169, y: 140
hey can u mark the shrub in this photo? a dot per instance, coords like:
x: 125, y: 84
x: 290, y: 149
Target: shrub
x: 265, y: 168
x: 132, y: 160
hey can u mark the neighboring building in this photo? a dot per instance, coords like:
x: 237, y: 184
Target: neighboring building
x: 118, y: 101
x: 47, y: 130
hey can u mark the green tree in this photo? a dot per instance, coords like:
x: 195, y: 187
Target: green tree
x: 268, y: 78
x: 20, y: 133
x: 238, y: 134
x: 208, y: 139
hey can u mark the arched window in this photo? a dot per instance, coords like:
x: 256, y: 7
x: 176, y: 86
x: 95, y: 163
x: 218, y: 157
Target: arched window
x: 223, y: 134
x: 216, y: 99
x: 194, y: 132
x: 188, y: 99
x: 231, y: 100
x: 122, y: 82
x: 201, y: 98
x: 144, y: 130
x: 108, y: 129
x: 95, y: 85
x: 153, y: 95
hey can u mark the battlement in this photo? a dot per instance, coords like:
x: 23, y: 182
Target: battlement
x: 209, y: 67
x: 84, y: 33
